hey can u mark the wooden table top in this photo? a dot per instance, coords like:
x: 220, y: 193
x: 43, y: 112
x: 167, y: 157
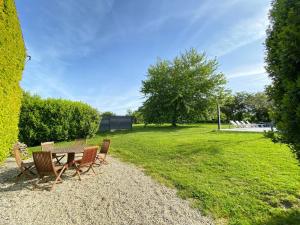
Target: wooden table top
x: 68, y: 149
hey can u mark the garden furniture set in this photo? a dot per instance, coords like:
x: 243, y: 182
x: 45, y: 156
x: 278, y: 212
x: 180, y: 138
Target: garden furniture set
x: 48, y: 161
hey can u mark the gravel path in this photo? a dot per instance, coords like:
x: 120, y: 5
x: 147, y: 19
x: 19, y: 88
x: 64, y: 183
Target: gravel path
x: 118, y: 194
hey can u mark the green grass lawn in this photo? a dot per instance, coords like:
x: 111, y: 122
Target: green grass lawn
x: 237, y: 178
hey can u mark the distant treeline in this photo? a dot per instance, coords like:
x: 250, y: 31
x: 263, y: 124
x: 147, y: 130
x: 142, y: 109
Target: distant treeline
x: 254, y: 107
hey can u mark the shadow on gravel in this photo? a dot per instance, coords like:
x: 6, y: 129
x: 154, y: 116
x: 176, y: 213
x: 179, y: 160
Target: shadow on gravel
x: 9, y: 182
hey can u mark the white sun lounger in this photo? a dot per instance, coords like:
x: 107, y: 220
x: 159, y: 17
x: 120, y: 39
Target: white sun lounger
x: 233, y: 123
x: 239, y: 124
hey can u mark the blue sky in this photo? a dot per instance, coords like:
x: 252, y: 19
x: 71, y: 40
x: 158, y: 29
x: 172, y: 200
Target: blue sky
x: 98, y: 51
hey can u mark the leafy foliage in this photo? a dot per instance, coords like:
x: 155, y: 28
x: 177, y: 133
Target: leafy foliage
x: 181, y: 90
x: 283, y: 66
x: 107, y: 114
x: 247, y: 106
x: 55, y: 120
x: 136, y: 115
x: 12, y: 56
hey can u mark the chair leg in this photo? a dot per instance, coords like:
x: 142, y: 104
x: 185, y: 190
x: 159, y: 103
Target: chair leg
x: 88, y: 169
x: 25, y: 173
x: 96, y: 162
x: 32, y: 173
x: 58, y: 178
x: 104, y: 161
x: 92, y: 169
x: 18, y: 176
x: 78, y: 173
x: 35, y: 185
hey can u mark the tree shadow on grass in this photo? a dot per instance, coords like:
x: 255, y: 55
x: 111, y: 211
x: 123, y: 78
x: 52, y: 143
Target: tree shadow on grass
x: 142, y: 129
x: 211, y: 147
x: 187, y: 150
x: 291, y: 217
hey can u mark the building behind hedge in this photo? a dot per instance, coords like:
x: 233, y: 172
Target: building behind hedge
x: 12, y: 58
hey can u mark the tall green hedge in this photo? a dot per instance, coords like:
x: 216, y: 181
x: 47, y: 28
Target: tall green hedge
x: 55, y: 120
x: 283, y: 66
x: 12, y: 58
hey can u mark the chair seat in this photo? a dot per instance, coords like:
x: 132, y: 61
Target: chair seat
x: 79, y: 161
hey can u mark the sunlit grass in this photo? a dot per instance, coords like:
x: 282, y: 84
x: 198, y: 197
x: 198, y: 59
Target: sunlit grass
x: 237, y: 178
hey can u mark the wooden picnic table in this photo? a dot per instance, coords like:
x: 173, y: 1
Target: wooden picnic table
x: 70, y: 150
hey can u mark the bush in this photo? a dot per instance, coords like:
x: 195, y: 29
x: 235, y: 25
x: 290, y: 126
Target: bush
x: 55, y: 120
x: 12, y: 57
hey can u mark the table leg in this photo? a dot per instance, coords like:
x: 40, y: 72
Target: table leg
x: 71, y: 157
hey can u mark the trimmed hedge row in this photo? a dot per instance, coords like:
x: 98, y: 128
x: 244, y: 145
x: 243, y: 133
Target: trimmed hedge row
x: 55, y: 120
x: 12, y: 58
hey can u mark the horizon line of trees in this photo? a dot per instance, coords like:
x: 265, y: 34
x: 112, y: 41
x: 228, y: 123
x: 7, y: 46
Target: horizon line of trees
x: 253, y: 107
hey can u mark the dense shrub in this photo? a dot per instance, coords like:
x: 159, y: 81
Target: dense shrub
x: 12, y: 56
x: 55, y: 120
x: 283, y: 66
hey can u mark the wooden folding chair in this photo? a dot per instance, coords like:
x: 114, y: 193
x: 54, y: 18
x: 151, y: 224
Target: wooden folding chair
x: 79, y: 142
x: 49, y: 146
x: 45, y: 167
x: 25, y: 167
x: 101, y: 157
x: 87, y: 160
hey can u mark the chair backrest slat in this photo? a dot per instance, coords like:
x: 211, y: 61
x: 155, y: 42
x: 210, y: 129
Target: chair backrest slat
x: 43, y: 163
x: 47, y: 146
x: 89, y: 155
x: 80, y: 142
x: 105, y: 146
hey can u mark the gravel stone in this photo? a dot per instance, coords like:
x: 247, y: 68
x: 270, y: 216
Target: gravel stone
x: 119, y: 193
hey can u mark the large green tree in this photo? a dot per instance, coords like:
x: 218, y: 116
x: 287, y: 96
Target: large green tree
x: 283, y: 66
x: 182, y: 89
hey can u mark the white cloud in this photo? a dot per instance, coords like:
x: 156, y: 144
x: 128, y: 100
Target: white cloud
x: 75, y: 25
x: 207, y: 13
x: 243, y: 33
x: 43, y: 75
x: 246, y: 70
x: 249, y: 78
x: 115, y: 101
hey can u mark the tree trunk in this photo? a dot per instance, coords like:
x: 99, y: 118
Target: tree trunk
x: 174, y: 119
